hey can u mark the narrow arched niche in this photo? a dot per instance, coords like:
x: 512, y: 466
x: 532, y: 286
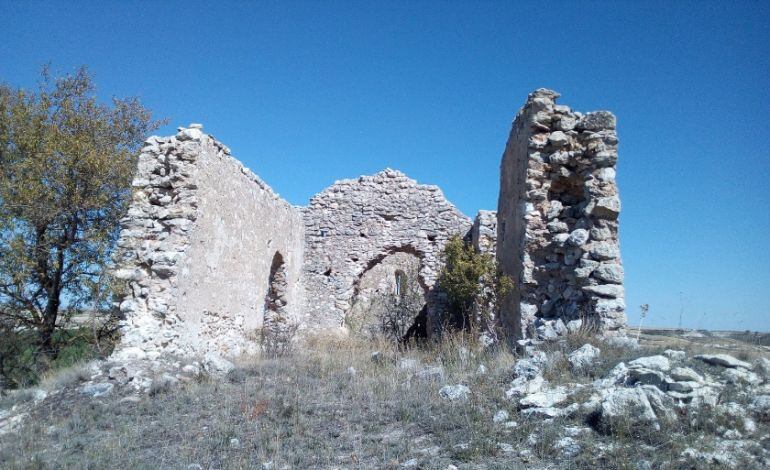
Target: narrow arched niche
x: 276, y: 297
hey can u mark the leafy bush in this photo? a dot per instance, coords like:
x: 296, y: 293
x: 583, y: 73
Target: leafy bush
x: 473, y: 283
x: 21, y: 365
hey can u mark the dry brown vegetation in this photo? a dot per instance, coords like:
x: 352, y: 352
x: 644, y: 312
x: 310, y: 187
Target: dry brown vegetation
x: 342, y: 403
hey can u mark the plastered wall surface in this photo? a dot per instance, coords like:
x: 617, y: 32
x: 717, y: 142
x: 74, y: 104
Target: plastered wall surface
x: 223, y: 284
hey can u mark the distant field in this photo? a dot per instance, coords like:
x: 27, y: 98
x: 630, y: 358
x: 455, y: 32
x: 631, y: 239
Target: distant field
x: 734, y: 338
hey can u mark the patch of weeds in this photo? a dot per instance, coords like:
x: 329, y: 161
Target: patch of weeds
x: 16, y: 397
x: 160, y: 385
x: 67, y: 377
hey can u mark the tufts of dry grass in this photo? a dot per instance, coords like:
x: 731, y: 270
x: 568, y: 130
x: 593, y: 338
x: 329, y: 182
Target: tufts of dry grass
x: 67, y: 377
x: 338, y: 402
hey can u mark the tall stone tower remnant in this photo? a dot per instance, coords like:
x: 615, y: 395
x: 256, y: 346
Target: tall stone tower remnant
x: 557, y: 221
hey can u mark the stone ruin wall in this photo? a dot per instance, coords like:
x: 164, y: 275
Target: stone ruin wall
x: 196, y: 250
x: 243, y: 228
x: 354, y: 225
x: 210, y: 254
x: 558, y: 220
x: 484, y: 232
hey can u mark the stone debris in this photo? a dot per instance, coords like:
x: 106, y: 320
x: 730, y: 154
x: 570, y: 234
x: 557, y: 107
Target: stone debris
x: 761, y: 406
x: 762, y: 367
x: 544, y: 398
x: 624, y: 342
x: 97, y: 389
x: 724, y: 360
x: 550, y: 412
x: 740, y: 374
x: 522, y: 386
x: 500, y: 416
x: 435, y: 373
x: 408, y: 364
x: 505, y: 448
x: 217, y: 364
x: 583, y: 357
x: 568, y: 447
x: 685, y: 374
x: 618, y: 404
x: 638, y: 397
x: 675, y: 355
x: 657, y: 363
x: 530, y: 367
x: 454, y: 392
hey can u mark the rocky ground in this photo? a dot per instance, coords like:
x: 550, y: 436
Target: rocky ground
x: 669, y: 401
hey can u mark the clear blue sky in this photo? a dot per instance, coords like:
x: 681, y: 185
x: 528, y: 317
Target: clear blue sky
x: 306, y: 93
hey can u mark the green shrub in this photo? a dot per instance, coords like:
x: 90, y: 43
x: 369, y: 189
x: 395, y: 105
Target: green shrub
x: 472, y: 281
x: 21, y: 365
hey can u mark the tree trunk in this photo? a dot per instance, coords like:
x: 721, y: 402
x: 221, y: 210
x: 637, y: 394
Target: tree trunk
x: 51, y: 312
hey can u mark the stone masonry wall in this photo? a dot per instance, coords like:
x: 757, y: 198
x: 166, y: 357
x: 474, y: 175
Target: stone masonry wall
x: 558, y: 220
x: 203, y: 235
x: 210, y: 253
x: 196, y: 250
x: 484, y: 232
x: 354, y: 224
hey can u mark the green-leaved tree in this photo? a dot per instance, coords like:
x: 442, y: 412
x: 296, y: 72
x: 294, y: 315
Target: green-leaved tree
x: 66, y: 164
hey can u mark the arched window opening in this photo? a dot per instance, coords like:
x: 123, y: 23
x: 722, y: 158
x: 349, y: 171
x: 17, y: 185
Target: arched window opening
x: 400, y: 290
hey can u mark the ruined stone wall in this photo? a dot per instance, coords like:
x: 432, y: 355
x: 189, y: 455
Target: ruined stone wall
x: 355, y: 224
x: 197, y: 247
x: 484, y: 232
x: 210, y: 253
x: 558, y: 220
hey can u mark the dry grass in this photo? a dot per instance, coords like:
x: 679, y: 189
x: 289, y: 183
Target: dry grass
x: 332, y: 404
x: 67, y: 377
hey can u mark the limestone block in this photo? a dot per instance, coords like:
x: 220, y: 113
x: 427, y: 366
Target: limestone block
x: 604, y: 208
x: 597, y: 121
x: 609, y: 272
